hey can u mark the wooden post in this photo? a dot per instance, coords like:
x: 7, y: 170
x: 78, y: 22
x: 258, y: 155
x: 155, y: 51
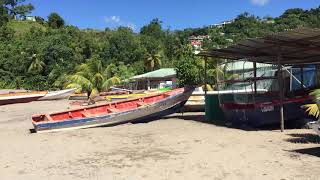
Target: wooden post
x: 302, y: 77
x: 205, y: 76
x: 281, y: 92
x: 255, y: 76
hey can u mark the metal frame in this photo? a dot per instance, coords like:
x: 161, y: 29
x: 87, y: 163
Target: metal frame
x: 293, y: 47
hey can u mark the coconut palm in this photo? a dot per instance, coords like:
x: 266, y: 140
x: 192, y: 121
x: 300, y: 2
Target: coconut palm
x: 313, y: 109
x: 36, y: 65
x: 153, y: 61
x: 92, y: 78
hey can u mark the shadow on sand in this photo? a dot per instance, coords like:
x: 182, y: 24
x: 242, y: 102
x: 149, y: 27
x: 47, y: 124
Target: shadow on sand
x: 305, y: 138
x: 200, y: 117
x: 309, y: 151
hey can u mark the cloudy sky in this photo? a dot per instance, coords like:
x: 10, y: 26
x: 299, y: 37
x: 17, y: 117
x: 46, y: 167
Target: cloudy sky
x: 175, y: 14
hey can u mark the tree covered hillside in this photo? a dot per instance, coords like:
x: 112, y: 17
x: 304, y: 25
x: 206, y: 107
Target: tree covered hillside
x: 46, y: 54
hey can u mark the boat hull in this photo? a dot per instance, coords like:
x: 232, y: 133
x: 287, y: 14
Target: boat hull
x: 161, y: 108
x: 56, y: 95
x: 264, y: 116
x: 13, y: 98
x: 19, y: 100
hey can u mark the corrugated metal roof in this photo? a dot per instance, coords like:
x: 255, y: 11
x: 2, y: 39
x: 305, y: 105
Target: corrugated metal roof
x: 158, y: 74
x: 298, y: 46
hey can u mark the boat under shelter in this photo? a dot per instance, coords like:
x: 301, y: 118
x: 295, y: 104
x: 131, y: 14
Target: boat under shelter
x: 296, y: 50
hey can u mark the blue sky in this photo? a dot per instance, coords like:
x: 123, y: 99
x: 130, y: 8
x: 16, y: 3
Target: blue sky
x: 175, y: 14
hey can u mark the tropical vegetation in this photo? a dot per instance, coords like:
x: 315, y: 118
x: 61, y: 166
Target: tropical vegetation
x: 51, y: 54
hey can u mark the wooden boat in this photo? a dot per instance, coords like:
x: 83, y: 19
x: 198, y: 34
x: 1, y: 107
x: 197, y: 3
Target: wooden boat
x: 55, y: 95
x: 144, y: 108
x: 12, y: 98
x: 245, y: 107
x: 78, y: 96
x: 196, y: 101
x: 123, y: 97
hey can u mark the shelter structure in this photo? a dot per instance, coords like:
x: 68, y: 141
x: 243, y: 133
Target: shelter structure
x: 155, y: 79
x: 298, y: 47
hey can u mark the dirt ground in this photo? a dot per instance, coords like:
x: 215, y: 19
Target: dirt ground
x: 175, y: 147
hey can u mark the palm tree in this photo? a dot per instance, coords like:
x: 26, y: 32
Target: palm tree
x: 153, y: 61
x: 36, y: 65
x: 313, y: 109
x: 92, y: 78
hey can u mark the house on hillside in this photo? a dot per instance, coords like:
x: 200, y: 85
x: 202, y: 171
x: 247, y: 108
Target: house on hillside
x: 158, y: 79
x: 30, y: 18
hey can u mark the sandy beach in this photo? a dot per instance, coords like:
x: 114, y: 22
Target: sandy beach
x: 175, y: 147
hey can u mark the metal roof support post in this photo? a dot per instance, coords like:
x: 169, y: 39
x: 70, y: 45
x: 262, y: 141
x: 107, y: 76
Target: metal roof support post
x: 302, y: 77
x: 205, y: 76
x: 280, y: 82
x: 255, y: 76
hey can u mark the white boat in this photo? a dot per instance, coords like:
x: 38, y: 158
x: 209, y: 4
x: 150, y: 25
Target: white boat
x: 315, y: 126
x: 55, y: 95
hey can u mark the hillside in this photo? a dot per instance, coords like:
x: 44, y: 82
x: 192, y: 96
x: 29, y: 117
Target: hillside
x: 21, y: 27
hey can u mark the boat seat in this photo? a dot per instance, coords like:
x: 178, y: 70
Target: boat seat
x: 70, y: 115
x: 141, y: 104
x: 113, y: 110
x: 86, y: 114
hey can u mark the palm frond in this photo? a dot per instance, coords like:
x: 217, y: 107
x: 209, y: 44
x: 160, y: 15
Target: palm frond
x: 312, y: 109
x: 97, y: 80
x: 76, y: 86
x: 315, y: 94
x: 94, y: 93
x: 82, y: 81
x: 111, y: 82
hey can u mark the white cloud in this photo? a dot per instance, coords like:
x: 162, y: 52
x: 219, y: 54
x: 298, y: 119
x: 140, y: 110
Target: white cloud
x: 259, y: 2
x: 115, y: 21
x: 112, y: 19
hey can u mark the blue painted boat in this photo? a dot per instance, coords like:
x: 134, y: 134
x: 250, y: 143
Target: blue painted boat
x: 143, y: 108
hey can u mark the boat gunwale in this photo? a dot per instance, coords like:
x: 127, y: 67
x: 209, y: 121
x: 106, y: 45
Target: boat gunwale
x: 100, y: 105
x: 23, y: 94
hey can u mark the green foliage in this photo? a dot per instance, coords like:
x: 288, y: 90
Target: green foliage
x: 55, y: 21
x: 16, y: 8
x: 46, y: 55
x: 313, y: 109
x: 91, y: 77
x: 4, y: 17
x: 23, y: 27
x: 187, y: 72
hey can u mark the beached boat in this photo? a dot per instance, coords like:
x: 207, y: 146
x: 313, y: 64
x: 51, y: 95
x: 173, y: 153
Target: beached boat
x: 196, y: 101
x: 260, y: 108
x: 315, y: 126
x: 143, y: 108
x: 12, y: 98
x: 55, y: 95
x: 122, y: 97
x: 79, y: 96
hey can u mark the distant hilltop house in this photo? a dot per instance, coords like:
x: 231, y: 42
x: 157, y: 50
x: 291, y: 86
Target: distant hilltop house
x: 220, y: 25
x: 28, y: 18
x: 197, y: 41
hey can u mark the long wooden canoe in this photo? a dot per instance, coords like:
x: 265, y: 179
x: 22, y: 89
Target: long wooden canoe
x: 143, y: 108
x: 25, y: 97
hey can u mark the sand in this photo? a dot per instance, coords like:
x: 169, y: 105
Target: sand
x: 172, y: 148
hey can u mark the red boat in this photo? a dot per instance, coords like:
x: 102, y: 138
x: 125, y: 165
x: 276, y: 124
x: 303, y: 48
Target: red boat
x: 143, y: 108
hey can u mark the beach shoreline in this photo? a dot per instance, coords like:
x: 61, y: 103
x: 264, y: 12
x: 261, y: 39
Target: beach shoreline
x: 175, y: 147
